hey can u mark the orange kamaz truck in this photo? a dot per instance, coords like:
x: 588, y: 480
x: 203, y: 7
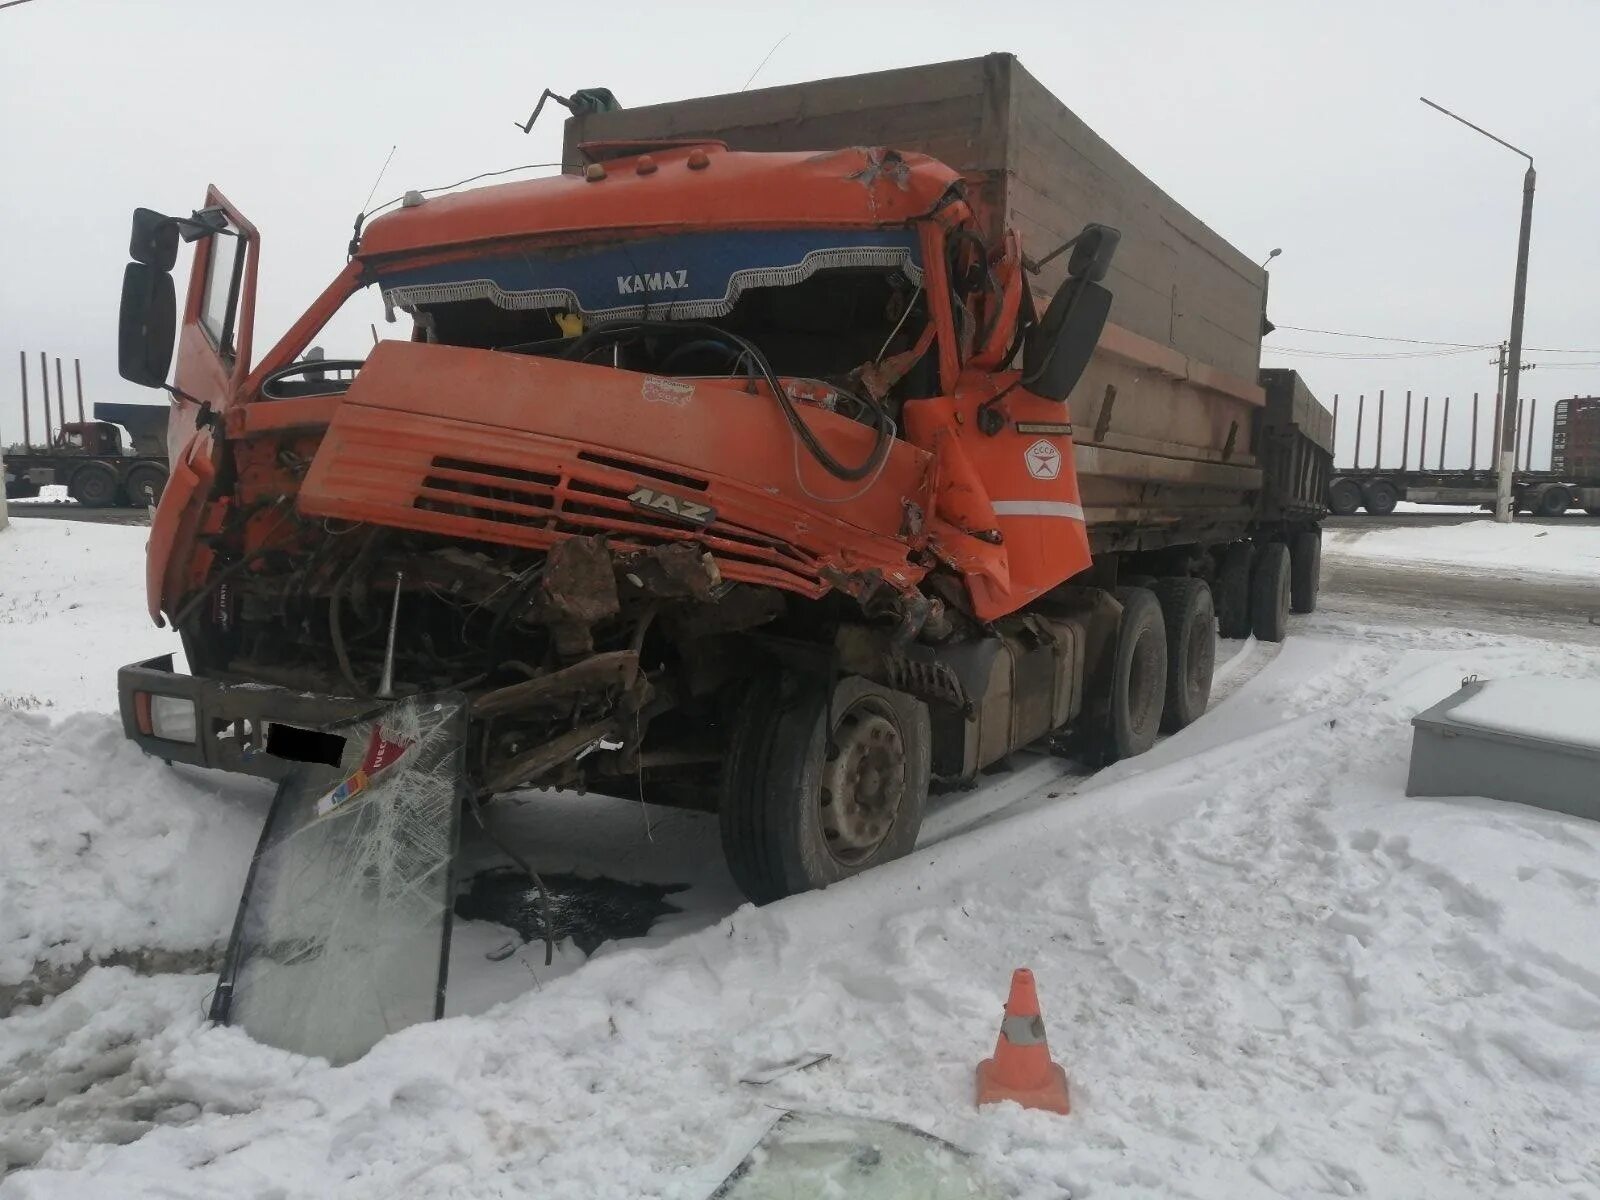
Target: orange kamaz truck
x: 787, y: 455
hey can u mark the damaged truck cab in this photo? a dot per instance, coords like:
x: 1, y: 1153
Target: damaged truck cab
x: 730, y: 479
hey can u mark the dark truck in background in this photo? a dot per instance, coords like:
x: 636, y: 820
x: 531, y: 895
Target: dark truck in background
x: 1572, y: 480
x: 119, y: 458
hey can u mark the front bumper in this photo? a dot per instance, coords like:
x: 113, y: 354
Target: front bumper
x: 250, y: 728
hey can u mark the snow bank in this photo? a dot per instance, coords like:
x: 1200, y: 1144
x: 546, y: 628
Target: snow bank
x: 106, y: 850
x: 1516, y: 550
x: 1267, y: 973
x: 72, y: 610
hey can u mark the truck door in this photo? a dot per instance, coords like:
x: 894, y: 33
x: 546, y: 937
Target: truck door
x: 214, y: 337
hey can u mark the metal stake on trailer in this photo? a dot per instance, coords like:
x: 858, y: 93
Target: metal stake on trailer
x: 1377, y: 460
x: 1405, y: 440
x: 27, y: 432
x: 77, y: 373
x: 1533, y: 416
x: 1444, y: 430
x: 44, y: 382
x: 1421, y: 453
x: 1361, y: 409
x: 1473, y: 465
x: 61, y: 395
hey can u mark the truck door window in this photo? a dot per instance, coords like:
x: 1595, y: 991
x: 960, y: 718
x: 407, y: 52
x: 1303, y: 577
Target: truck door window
x: 219, y: 305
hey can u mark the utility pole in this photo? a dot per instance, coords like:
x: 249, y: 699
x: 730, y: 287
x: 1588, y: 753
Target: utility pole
x: 1505, y: 464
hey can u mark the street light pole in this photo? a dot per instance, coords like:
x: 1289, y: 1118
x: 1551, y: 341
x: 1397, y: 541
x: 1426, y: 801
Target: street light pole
x: 1506, y: 466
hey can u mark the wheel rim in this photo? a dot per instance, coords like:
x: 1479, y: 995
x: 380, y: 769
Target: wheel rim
x: 863, y: 782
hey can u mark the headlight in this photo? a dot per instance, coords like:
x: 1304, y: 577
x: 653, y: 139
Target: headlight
x: 172, y: 718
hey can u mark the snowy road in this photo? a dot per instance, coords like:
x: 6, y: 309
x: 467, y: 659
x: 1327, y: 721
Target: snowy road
x: 1267, y: 972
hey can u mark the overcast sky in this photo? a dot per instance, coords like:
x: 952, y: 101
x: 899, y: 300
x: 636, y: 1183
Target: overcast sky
x: 1277, y: 123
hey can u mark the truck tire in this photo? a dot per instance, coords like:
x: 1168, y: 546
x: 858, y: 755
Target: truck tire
x: 93, y: 485
x: 795, y: 817
x: 1138, y: 675
x: 1269, y: 593
x: 1232, y: 593
x: 1344, y: 497
x: 144, y: 485
x: 1191, y: 622
x: 1552, y: 501
x: 1305, y: 570
x: 1380, y: 497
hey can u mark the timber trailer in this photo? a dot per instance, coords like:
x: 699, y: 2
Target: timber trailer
x: 750, y: 464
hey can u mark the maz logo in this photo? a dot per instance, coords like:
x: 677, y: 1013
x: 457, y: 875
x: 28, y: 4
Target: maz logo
x: 688, y: 510
x: 656, y: 281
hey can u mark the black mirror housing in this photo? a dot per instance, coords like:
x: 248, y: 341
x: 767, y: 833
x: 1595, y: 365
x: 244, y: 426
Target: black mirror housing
x: 146, y: 325
x: 1093, y: 251
x: 1058, y: 348
x: 154, y: 241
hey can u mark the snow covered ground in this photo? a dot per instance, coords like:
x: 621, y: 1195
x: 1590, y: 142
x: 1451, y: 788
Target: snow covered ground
x: 1267, y: 972
x: 1520, y: 549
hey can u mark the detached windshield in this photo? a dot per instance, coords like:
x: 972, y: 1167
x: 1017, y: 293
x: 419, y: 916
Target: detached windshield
x: 817, y: 303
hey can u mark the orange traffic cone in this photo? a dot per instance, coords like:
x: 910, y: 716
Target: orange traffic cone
x: 1021, y: 1068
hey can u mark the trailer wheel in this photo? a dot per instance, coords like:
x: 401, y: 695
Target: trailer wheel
x: 1191, y: 622
x: 93, y: 485
x: 1344, y: 497
x: 1138, y: 675
x: 1305, y: 570
x: 798, y: 813
x: 144, y: 485
x: 1553, y: 501
x: 1380, y: 497
x: 1233, y: 590
x: 1269, y: 593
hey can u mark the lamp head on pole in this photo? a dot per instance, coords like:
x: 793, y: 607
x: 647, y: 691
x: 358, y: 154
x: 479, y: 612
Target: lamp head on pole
x: 1271, y: 254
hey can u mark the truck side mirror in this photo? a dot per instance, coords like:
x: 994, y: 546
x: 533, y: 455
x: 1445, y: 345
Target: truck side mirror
x: 1057, y: 349
x: 154, y: 241
x: 1092, y: 252
x: 146, y: 325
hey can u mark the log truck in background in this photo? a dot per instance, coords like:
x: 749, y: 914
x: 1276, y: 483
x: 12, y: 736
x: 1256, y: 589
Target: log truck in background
x: 116, y: 459
x: 788, y: 454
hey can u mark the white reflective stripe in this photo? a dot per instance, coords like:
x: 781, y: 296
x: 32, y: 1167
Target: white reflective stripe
x: 1037, y: 508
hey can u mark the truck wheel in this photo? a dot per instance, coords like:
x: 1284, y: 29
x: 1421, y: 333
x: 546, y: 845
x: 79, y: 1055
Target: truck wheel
x: 144, y: 486
x: 1191, y: 623
x: 1553, y: 501
x: 1344, y: 497
x: 1138, y: 675
x: 797, y: 813
x: 1233, y: 590
x: 1305, y: 570
x: 1269, y: 593
x: 1380, y: 497
x: 93, y: 486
